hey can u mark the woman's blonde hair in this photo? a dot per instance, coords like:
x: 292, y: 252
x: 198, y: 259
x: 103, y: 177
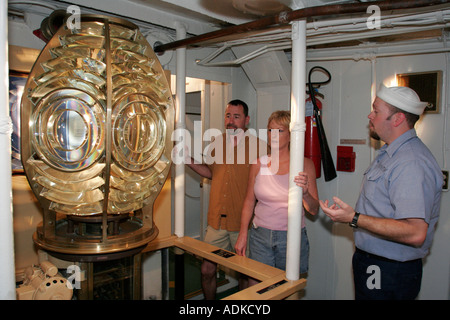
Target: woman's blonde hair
x: 281, y: 117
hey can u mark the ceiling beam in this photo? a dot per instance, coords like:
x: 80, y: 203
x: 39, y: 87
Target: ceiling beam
x: 285, y: 18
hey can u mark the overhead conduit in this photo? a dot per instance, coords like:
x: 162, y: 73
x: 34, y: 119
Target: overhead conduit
x: 284, y: 18
x: 318, y: 33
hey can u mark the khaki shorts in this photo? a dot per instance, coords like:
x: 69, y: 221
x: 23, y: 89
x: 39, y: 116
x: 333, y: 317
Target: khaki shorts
x: 221, y: 238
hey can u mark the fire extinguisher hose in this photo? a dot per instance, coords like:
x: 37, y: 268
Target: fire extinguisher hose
x: 327, y: 160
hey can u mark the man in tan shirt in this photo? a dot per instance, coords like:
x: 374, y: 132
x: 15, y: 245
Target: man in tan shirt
x: 227, y: 165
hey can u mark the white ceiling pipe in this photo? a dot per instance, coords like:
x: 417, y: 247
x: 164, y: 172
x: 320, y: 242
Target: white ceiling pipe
x: 247, y: 57
x: 369, y: 34
x: 180, y: 128
x: 7, y: 266
x: 347, y: 25
x: 321, y: 40
x: 435, y: 16
x: 213, y: 55
x: 369, y: 55
x: 351, y: 25
x: 311, y: 41
x: 437, y: 20
x: 363, y: 26
x: 297, y: 128
x: 360, y: 54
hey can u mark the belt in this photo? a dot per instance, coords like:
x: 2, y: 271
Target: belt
x: 374, y: 256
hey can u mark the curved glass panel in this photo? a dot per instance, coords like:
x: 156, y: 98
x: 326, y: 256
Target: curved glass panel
x: 62, y: 177
x: 132, y: 186
x: 74, y: 62
x: 120, y: 55
x: 126, y: 196
x: 68, y: 186
x: 93, y: 41
x: 77, y: 50
x: 132, y: 67
x: 135, y: 78
x: 72, y: 198
x: 68, y: 132
x: 161, y: 164
x: 130, y: 176
x: 138, y: 132
x: 78, y: 210
x: 61, y: 83
x: 123, y: 44
x: 118, y: 31
x: 95, y: 28
x: 158, y: 97
x: 118, y: 207
x: 86, y: 75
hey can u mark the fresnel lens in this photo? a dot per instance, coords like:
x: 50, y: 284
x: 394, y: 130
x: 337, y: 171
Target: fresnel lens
x: 97, y: 116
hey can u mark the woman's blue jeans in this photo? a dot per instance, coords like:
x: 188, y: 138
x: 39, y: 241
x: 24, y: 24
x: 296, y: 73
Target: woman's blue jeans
x: 269, y: 247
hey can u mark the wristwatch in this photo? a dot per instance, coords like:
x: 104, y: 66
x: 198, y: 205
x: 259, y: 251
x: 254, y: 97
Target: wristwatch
x: 354, y: 222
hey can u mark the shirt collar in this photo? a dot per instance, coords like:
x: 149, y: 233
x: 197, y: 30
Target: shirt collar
x: 397, y: 143
x: 238, y: 135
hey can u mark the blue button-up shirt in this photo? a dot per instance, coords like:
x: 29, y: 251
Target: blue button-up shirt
x: 403, y: 182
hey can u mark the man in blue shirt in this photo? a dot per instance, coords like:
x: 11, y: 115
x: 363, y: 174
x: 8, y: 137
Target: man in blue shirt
x: 398, y: 207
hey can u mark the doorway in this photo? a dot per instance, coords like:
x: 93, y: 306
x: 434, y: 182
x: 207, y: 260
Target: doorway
x: 206, y: 101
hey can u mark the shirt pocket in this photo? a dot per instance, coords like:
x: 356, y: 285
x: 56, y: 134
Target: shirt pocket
x: 374, y: 182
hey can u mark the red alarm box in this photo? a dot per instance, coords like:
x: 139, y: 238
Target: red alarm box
x: 345, y: 159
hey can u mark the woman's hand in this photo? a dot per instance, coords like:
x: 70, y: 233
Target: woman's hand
x: 241, y: 244
x: 302, y: 181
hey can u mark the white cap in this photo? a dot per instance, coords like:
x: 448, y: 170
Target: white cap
x: 403, y: 98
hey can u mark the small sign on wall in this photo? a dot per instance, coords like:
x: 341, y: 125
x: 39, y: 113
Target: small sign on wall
x: 345, y: 159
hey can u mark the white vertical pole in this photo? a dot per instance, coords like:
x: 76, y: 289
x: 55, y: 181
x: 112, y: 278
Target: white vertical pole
x: 180, y: 126
x: 298, y: 128
x: 7, y: 272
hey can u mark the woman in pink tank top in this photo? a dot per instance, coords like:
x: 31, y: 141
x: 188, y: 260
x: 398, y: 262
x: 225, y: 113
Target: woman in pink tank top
x: 267, y: 200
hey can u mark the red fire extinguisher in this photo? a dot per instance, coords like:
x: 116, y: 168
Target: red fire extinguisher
x: 312, y: 144
x: 316, y: 145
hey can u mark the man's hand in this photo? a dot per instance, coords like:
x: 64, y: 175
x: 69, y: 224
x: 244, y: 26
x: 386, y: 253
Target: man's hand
x: 339, y: 211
